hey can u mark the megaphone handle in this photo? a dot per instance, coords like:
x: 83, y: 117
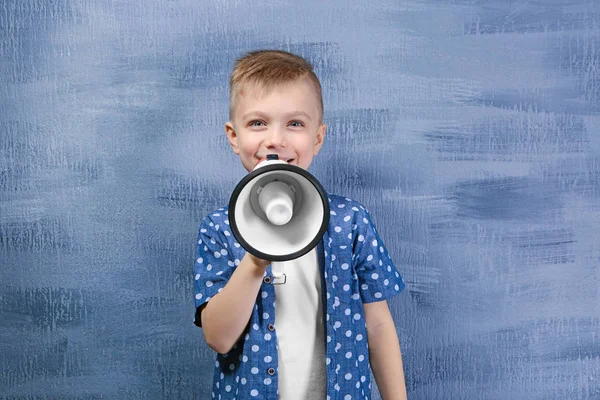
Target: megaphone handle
x: 279, y: 277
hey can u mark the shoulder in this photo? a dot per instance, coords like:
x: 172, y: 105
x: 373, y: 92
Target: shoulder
x: 216, y: 222
x: 219, y: 215
x: 349, y: 223
x: 347, y: 203
x: 348, y: 209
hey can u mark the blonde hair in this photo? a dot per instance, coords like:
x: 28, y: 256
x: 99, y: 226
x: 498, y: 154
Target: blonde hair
x: 264, y: 69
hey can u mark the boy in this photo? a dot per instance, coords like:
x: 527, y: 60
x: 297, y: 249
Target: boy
x: 319, y: 334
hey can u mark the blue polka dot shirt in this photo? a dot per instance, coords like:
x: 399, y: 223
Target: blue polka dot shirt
x: 356, y: 269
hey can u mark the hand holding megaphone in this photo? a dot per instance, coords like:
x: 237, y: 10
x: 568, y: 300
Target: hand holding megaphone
x: 278, y: 212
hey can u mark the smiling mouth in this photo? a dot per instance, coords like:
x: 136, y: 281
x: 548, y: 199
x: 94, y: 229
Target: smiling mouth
x: 287, y: 160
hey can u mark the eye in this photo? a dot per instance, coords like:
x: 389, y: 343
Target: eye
x: 297, y: 123
x: 255, y: 122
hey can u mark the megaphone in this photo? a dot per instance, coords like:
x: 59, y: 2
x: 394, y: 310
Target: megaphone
x: 278, y: 212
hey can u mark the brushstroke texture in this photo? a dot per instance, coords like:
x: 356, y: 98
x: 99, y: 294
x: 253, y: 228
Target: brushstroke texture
x: 469, y: 129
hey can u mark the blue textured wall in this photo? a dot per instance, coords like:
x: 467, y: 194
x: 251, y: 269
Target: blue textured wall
x: 470, y: 129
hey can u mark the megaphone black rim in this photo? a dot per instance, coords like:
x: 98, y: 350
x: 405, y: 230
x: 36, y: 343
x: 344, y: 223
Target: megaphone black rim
x: 262, y: 170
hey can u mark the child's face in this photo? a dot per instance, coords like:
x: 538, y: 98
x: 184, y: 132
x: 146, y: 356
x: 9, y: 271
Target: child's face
x: 285, y: 121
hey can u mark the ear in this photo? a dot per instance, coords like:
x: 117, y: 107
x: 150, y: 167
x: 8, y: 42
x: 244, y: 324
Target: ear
x: 319, y: 139
x: 232, y: 137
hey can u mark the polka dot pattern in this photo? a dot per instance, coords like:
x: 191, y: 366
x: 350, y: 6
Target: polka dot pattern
x: 357, y: 269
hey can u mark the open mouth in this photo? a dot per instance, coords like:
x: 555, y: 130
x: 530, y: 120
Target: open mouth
x: 287, y: 160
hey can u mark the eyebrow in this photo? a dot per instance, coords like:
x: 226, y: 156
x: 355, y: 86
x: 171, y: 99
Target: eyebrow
x: 263, y: 115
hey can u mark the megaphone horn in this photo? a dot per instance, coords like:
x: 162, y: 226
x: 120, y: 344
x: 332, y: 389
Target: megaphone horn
x: 278, y: 212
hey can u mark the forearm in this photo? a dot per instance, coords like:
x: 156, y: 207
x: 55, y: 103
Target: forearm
x: 386, y: 361
x: 226, y: 315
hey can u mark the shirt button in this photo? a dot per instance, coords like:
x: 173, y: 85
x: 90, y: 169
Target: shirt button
x: 271, y: 327
x: 267, y: 279
x: 271, y: 371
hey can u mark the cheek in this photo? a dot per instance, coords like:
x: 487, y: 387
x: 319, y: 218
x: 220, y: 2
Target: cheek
x: 308, y: 146
x: 305, y: 157
x: 248, y: 146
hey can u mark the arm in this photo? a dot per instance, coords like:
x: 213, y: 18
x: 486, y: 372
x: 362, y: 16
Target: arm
x: 226, y: 315
x: 384, y: 351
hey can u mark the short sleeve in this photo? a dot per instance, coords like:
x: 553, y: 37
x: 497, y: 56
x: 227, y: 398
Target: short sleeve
x: 213, y: 265
x: 377, y: 275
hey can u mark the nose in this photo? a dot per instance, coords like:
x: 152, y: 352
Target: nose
x: 276, y: 137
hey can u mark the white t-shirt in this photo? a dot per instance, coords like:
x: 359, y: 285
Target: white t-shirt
x: 300, y: 331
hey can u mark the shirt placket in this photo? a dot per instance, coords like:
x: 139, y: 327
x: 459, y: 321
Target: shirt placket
x: 268, y: 327
x: 328, y: 309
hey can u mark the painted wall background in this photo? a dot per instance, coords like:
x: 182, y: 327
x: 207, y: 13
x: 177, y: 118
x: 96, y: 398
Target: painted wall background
x: 470, y: 129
